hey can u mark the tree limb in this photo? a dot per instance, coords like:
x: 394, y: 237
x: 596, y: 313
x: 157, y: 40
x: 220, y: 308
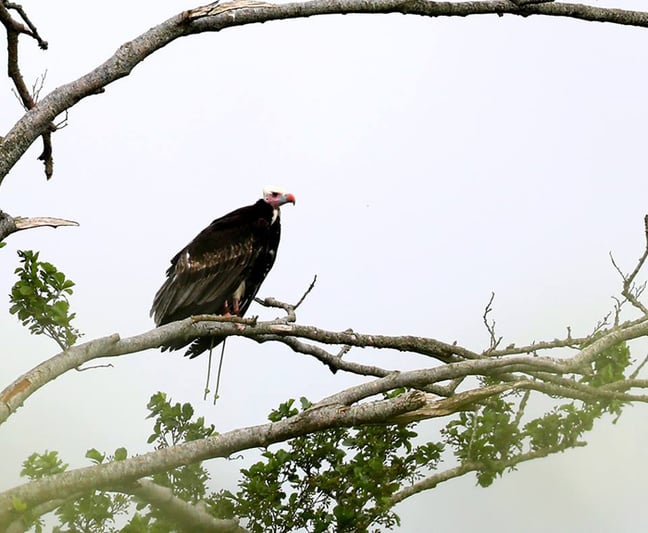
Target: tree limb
x: 193, y: 517
x: 107, y: 475
x: 9, y: 224
x: 13, y: 29
x: 462, y: 362
x: 13, y: 396
x: 38, y: 120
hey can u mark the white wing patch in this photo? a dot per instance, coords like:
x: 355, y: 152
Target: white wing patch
x: 240, y: 291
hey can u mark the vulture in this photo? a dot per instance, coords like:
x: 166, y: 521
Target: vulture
x: 221, y: 270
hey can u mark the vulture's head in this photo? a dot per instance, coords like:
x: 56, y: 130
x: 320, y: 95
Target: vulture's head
x: 277, y: 197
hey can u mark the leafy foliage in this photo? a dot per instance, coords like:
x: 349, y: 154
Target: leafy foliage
x: 174, y: 425
x: 337, y: 479
x: 494, y: 434
x: 490, y: 436
x: 40, y: 300
x: 94, y: 511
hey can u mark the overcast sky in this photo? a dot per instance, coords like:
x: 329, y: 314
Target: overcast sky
x: 433, y: 161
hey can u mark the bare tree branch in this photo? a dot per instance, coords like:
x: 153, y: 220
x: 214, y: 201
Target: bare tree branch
x: 28, y: 99
x: 39, y: 119
x: 490, y: 327
x: 307, y: 292
x: 9, y: 224
x: 631, y: 292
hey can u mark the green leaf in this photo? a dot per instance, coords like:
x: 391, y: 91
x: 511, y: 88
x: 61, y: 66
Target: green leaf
x: 120, y: 454
x: 95, y: 456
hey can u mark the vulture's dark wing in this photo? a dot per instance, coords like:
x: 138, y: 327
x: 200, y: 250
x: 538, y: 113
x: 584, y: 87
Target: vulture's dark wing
x: 208, y: 271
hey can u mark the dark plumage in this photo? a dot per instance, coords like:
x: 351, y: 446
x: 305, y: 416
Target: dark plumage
x: 221, y: 270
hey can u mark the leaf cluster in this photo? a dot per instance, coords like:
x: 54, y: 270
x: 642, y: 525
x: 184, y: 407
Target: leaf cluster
x: 92, y: 511
x: 40, y: 300
x: 174, y: 425
x: 496, y: 432
x: 333, y: 480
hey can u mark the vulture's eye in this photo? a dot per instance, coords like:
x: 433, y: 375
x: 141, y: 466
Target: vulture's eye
x: 275, y: 194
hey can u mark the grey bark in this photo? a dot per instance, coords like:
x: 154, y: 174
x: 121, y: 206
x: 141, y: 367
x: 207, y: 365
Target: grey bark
x: 38, y: 119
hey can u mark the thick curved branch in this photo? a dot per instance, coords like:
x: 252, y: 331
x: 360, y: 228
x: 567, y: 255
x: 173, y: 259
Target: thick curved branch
x: 13, y: 396
x: 108, y: 475
x: 37, y: 121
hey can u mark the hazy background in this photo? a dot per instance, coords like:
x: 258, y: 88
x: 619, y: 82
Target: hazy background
x: 433, y: 161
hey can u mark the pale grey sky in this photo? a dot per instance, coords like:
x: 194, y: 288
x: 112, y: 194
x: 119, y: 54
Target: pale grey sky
x: 433, y: 161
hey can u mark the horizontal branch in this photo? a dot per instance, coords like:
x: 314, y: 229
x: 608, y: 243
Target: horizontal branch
x: 38, y: 119
x: 15, y: 394
x: 9, y: 224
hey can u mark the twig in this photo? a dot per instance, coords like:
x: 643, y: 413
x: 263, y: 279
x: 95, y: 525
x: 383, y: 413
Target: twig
x: 522, y: 407
x: 310, y: 288
x: 490, y: 327
x: 635, y: 373
x: 94, y: 367
x: 33, y: 31
x: 273, y: 302
x: 333, y: 362
x: 343, y: 351
x: 473, y: 466
x: 630, y: 291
